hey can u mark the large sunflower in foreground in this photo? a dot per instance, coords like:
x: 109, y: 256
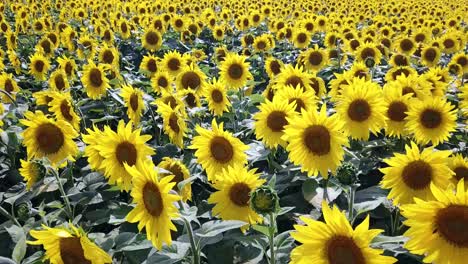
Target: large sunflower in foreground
x: 361, y: 108
x: 271, y: 120
x: 177, y: 168
x: 234, y: 71
x: 217, y: 149
x: 315, y: 141
x: 410, y: 175
x: 335, y: 241
x: 216, y: 95
x: 155, y: 207
x: 126, y: 146
x: 68, y: 245
x: 94, y: 80
x: 438, y: 229
x: 232, y: 200
x: 431, y: 120
x: 133, y: 98
x: 48, y: 138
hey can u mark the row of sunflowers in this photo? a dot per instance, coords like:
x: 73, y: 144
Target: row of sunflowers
x: 215, y: 131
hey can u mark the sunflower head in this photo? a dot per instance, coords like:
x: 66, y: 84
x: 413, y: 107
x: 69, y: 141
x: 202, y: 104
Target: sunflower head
x: 234, y: 71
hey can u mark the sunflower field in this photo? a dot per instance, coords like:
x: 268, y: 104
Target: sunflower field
x: 218, y: 131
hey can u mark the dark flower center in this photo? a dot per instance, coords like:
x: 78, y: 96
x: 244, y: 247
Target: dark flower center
x: 50, y: 138
x: 221, y: 149
x: 240, y: 194
x: 95, y: 77
x: 417, y: 175
x: 317, y: 139
x: 431, y: 118
x: 71, y: 251
x: 235, y: 71
x: 343, y: 250
x: 126, y: 153
x: 396, y: 111
x: 359, y: 110
x: 276, y: 121
x: 152, y: 199
x: 452, y: 225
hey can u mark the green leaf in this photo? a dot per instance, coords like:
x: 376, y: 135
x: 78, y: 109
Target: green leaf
x: 309, y: 189
x: 213, y: 228
x: 20, y: 250
x: 368, y: 205
x: 262, y: 229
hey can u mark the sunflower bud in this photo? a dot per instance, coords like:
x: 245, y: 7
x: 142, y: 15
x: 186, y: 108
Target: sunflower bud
x: 370, y: 62
x: 23, y: 211
x: 346, y: 174
x: 264, y: 200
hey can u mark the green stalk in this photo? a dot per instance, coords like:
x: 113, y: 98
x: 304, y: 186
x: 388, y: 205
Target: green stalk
x: 9, y: 96
x: 9, y: 216
x: 271, y: 238
x: 69, y: 210
x: 352, y: 192
x: 193, y: 244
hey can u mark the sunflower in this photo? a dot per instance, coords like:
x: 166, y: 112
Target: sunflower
x: 396, y: 72
x: 368, y: 51
x: 234, y: 71
x: 301, y: 38
x: 174, y: 123
x: 430, y: 56
x: 180, y: 172
x: 149, y: 65
x: 124, y: 29
x: 45, y: 47
x: 450, y: 43
x: 161, y: 81
x: 218, y: 32
x: 293, y: 76
x: 361, y: 109
x: 405, y: 45
x: 432, y: 81
x: 87, y: 47
x: 306, y: 100
x: 93, y: 139
x: 151, y: 39
x: 271, y: 120
x: 459, y: 165
x: 399, y: 60
x: 462, y: 60
x: 431, y: 120
x: 62, y: 108
x: 262, y: 43
x: 315, y: 141
x: 273, y: 67
x: 31, y: 172
x: 14, y: 60
x: 9, y: 85
x: 234, y: 185
x: 217, y: 149
x: 109, y: 55
x: 216, y: 95
x: 396, y: 105
x: 133, y: 98
x: 360, y: 70
x: 315, y: 59
x: 155, y: 207
x: 335, y: 241
x: 68, y: 245
x: 126, y: 146
x: 168, y: 98
x: 58, y: 80
x: 38, y: 67
x: 410, y: 175
x: 437, y: 229
x: 191, y: 77
x: 48, y: 138
x: 173, y: 63
x: 68, y: 65
x: 94, y: 80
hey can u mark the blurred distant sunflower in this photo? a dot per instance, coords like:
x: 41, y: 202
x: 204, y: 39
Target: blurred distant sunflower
x: 409, y: 175
x: 61, y: 106
x: 58, y: 80
x: 273, y: 67
x: 430, y: 56
x: 161, y: 81
x: 174, y: 123
x: 109, y: 55
x: 173, y: 63
x: 68, y: 245
x: 9, y: 85
x: 301, y: 38
x: 191, y: 77
x: 459, y: 165
x: 31, y: 172
x: 149, y: 65
x: 68, y: 65
x: 293, y: 76
x: 396, y: 105
x: 217, y: 149
x: 151, y: 39
x: 315, y: 58
x: 302, y: 99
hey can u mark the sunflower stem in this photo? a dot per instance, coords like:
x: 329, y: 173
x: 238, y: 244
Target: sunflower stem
x: 396, y: 222
x: 352, y: 192
x: 193, y: 244
x: 10, y: 97
x: 68, y: 210
x: 271, y: 238
x: 9, y: 216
